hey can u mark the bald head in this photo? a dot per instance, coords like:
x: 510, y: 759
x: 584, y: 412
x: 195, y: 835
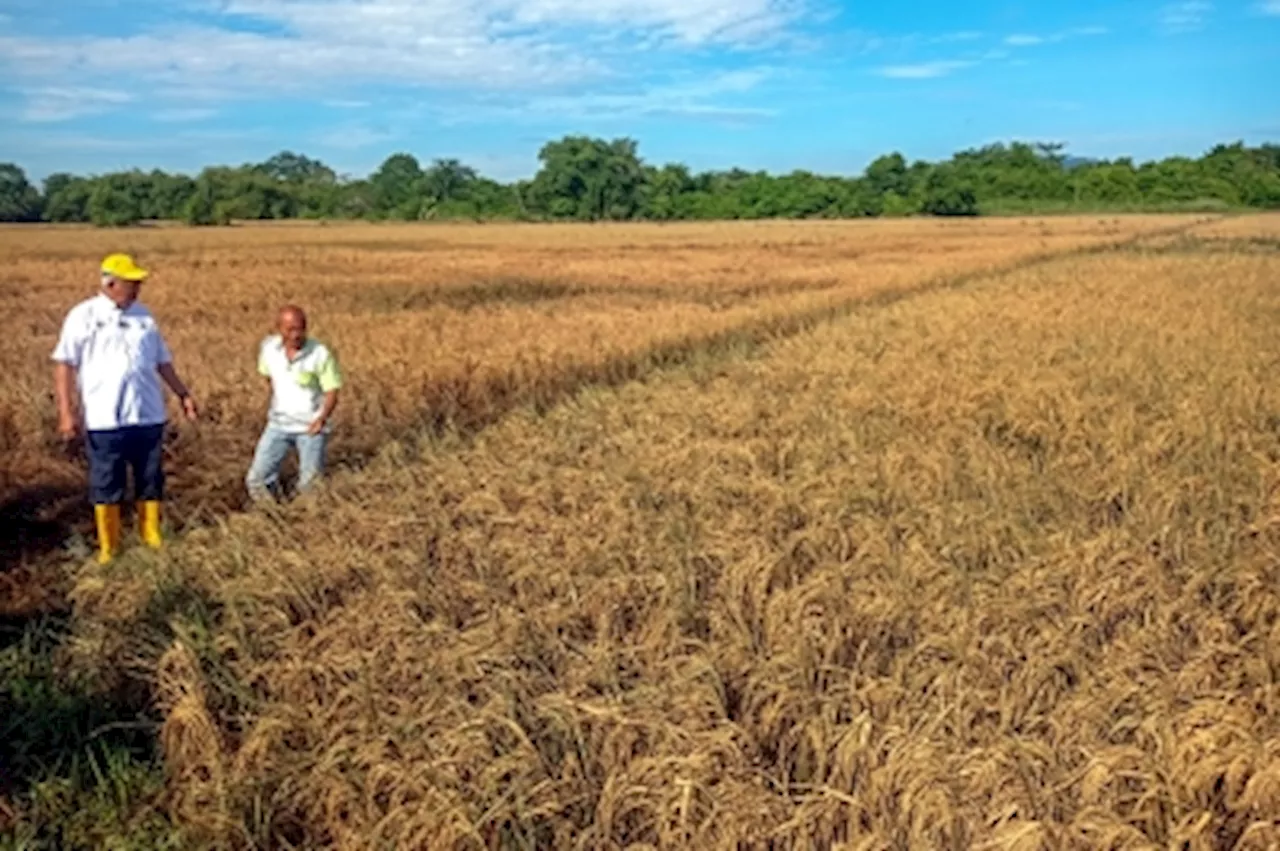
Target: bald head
x: 291, y: 322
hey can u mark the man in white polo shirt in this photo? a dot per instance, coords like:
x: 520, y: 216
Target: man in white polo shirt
x: 303, y: 380
x: 111, y: 352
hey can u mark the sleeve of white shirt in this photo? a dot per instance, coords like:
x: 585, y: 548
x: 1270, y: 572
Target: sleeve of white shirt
x: 71, y: 341
x: 264, y: 369
x: 163, y: 355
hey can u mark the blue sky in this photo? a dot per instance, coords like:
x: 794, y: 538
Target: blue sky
x: 825, y: 85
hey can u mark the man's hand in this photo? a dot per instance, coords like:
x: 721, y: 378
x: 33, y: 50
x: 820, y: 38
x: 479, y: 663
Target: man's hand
x: 64, y: 389
x: 68, y: 428
x: 170, y: 375
x: 322, y: 418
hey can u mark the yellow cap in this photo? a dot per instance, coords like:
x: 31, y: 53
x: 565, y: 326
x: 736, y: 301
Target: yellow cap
x: 122, y: 266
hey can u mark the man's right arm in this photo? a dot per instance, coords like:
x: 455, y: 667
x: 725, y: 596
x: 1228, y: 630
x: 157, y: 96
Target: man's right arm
x: 265, y: 372
x: 66, y: 361
x: 64, y: 389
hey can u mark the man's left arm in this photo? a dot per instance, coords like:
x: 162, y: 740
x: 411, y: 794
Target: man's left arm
x: 330, y: 402
x: 330, y: 383
x: 170, y: 375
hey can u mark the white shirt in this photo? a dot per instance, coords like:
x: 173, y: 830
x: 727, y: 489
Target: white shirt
x: 116, y: 354
x: 298, y: 386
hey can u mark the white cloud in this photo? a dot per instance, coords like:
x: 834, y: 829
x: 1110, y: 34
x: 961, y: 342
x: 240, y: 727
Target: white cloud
x: 303, y: 47
x: 689, y: 21
x: 1187, y: 16
x: 205, y: 60
x: 702, y: 99
x: 1270, y: 7
x: 941, y: 68
x: 46, y: 104
x: 177, y: 116
x: 526, y: 56
x: 557, y: 58
x: 62, y: 141
x: 923, y: 70
x: 354, y: 137
x: 1029, y: 40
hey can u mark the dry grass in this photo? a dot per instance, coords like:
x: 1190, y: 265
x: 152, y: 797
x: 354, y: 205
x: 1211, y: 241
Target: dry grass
x: 1242, y: 227
x: 990, y: 567
x: 438, y: 326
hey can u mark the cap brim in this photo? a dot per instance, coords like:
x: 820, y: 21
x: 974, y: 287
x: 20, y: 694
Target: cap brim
x: 133, y: 274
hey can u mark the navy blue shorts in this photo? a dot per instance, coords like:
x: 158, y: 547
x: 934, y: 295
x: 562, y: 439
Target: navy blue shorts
x: 113, y: 453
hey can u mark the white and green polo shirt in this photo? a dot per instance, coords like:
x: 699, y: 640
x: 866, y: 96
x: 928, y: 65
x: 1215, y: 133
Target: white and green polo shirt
x: 298, y: 385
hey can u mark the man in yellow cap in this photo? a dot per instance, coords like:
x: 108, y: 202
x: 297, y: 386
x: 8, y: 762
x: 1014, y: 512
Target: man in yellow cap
x: 111, y: 352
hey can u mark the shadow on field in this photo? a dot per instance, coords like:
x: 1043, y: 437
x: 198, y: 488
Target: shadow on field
x: 37, y: 520
x: 65, y: 738
x: 46, y: 725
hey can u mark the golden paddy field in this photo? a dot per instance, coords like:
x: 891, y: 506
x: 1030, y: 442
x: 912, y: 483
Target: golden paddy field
x: 868, y: 535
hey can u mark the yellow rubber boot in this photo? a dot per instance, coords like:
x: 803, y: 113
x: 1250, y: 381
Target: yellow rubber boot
x: 149, y: 524
x: 108, y: 520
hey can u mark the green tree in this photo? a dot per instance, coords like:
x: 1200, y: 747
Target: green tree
x: 589, y: 179
x: 115, y: 201
x: 595, y: 179
x: 948, y: 194
x: 447, y: 180
x: 1252, y: 174
x: 860, y: 199
x: 289, y: 167
x: 66, y: 198
x: 203, y: 207
x: 668, y: 191
x: 1106, y: 184
x: 247, y: 193
x: 397, y: 187
x: 1018, y: 172
x: 53, y: 184
x: 358, y: 201
x: 19, y: 200
x: 168, y: 195
x: 889, y: 174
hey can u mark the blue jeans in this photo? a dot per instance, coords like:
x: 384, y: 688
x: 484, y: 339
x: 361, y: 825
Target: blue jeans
x: 264, y: 474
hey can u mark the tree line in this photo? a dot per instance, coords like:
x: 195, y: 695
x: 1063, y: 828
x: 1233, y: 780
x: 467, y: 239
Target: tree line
x: 588, y: 179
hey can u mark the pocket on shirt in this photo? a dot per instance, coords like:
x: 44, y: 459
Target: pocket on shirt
x: 309, y: 380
